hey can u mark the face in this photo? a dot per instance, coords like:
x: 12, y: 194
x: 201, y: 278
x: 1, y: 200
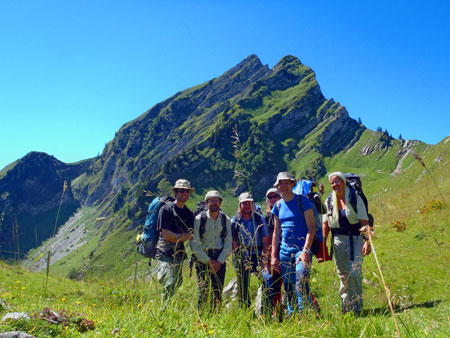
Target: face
x: 272, y: 198
x: 285, y: 186
x: 182, y: 195
x: 213, y: 204
x: 247, y: 207
x: 336, y: 183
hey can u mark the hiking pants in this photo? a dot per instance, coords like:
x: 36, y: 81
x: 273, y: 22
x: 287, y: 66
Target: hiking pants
x: 210, y: 284
x: 273, y: 284
x: 168, y: 272
x: 295, y: 280
x: 244, y: 266
x: 349, y: 272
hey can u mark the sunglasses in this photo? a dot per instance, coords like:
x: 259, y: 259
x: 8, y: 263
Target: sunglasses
x: 182, y: 191
x: 271, y: 197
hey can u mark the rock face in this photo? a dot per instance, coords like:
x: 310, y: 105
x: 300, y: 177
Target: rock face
x: 30, y: 194
x: 280, y: 116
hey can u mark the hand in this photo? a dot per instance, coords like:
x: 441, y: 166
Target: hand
x: 275, y: 265
x: 304, y: 257
x: 214, y: 266
x: 234, y: 246
x: 366, y: 248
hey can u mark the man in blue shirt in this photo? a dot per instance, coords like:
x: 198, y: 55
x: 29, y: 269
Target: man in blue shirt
x: 250, y: 242
x: 294, y: 228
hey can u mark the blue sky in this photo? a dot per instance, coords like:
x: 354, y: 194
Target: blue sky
x: 73, y: 72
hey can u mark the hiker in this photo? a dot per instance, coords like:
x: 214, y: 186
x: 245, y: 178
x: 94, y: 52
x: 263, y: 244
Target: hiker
x: 274, y: 279
x: 347, y: 243
x: 250, y: 243
x: 211, y: 247
x: 295, y: 229
x: 175, y: 223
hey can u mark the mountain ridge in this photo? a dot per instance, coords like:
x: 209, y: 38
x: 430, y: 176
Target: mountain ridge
x: 280, y: 114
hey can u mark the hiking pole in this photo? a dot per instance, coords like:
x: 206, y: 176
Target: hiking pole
x: 368, y: 232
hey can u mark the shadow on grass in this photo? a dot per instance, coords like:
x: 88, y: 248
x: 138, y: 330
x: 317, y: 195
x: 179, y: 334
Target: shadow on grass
x: 384, y: 311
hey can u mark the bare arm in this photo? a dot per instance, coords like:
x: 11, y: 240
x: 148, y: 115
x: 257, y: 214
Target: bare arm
x: 304, y: 256
x: 275, y: 261
x: 172, y: 237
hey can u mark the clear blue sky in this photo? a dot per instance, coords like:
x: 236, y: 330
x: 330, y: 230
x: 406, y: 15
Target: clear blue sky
x: 73, y: 72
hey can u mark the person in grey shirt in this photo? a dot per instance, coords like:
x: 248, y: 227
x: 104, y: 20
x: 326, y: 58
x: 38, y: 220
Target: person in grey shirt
x: 211, y: 247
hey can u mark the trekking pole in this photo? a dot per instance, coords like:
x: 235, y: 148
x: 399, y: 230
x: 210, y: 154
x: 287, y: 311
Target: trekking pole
x: 386, y: 289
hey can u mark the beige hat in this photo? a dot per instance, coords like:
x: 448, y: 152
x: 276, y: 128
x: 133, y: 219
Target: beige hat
x: 245, y: 196
x: 183, y: 184
x: 273, y: 190
x: 284, y: 175
x: 211, y: 194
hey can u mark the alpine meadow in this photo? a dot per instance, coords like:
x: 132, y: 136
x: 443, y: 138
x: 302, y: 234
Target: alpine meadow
x: 67, y: 232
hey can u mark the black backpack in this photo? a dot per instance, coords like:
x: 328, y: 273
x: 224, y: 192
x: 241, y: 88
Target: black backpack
x: 355, y: 187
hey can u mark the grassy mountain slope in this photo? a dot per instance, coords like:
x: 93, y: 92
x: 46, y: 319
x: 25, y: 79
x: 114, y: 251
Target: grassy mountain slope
x: 414, y: 262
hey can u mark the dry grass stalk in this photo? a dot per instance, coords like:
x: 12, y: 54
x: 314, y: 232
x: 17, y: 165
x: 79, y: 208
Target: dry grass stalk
x: 369, y: 234
x: 422, y: 163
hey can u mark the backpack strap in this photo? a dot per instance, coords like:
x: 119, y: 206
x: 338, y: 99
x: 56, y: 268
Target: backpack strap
x: 259, y: 222
x: 300, y: 205
x: 223, y: 233
x: 353, y: 199
x: 202, y: 223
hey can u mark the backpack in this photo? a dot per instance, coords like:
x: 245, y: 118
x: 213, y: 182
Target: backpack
x: 147, y: 239
x: 354, y: 185
x: 202, y: 208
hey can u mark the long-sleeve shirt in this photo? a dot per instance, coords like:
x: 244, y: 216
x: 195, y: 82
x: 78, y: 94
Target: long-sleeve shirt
x: 211, y: 238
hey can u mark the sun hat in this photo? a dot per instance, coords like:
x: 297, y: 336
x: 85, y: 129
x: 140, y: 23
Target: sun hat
x: 273, y: 190
x: 183, y: 184
x: 284, y: 175
x: 245, y: 196
x: 338, y: 174
x: 211, y: 194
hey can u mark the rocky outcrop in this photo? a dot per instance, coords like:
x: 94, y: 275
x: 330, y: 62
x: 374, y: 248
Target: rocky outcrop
x: 31, y: 192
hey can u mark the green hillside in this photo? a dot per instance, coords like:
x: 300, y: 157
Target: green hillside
x: 415, y: 262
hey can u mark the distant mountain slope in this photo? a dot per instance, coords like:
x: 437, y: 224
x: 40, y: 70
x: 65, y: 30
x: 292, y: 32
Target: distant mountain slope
x: 283, y: 122
x: 30, y: 194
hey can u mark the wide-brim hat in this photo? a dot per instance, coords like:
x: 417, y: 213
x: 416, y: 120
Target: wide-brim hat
x: 284, y: 175
x: 211, y: 194
x: 183, y: 184
x: 245, y: 196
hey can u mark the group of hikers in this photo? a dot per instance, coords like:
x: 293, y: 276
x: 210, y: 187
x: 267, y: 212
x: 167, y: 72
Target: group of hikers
x: 278, y: 247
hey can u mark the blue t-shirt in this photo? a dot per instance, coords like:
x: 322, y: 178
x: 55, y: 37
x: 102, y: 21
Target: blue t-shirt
x: 250, y: 233
x: 293, y: 224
